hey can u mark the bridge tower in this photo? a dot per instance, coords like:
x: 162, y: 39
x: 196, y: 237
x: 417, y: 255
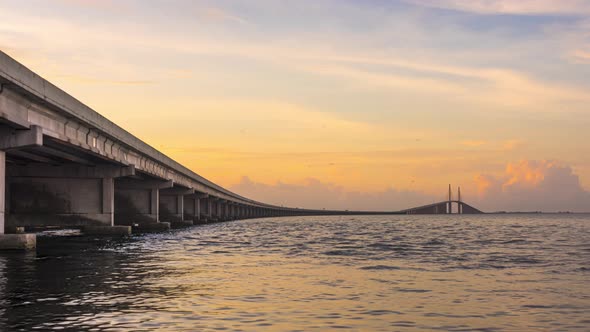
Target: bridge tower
x: 449, y: 202
x: 460, y: 203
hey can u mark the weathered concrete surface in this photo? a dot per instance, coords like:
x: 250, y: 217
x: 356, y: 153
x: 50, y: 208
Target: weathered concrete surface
x: 134, y: 206
x: 192, y: 208
x: 56, y: 201
x: 2, y: 189
x: 171, y: 208
x: 18, y: 241
x: 138, y: 201
x: 65, y: 195
x: 107, y: 230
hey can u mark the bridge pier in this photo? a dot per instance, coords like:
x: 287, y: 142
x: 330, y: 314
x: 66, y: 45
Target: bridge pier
x: 172, y: 206
x: 220, y: 210
x: 205, y: 204
x: 11, y: 241
x: 214, y: 208
x: 137, y: 203
x: 192, y: 208
x: 68, y: 195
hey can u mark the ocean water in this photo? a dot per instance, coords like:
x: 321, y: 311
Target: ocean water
x: 370, y: 273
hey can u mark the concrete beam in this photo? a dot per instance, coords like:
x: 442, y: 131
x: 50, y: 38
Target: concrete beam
x: 63, y: 155
x: 71, y: 171
x: 17, y: 139
x: 32, y: 156
x: 177, y: 191
x: 144, y: 184
x: 14, y: 108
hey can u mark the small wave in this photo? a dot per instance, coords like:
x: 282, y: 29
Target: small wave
x: 340, y: 253
x: 515, y: 241
x: 381, y: 312
x: 413, y: 290
x: 435, y: 242
x: 380, y: 267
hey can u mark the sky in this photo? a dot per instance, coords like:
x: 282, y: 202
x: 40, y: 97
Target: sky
x: 337, y: 104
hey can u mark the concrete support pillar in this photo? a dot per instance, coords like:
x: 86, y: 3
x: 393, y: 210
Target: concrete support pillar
x: 196, y: 210
x: 2, y: 189
x: 212, y: 209
x: 172, y: 206
x: 154, y: 206
x: 206, y: 209
x: 137, y: 203
x: 11, y: 241
x: 108, y: 199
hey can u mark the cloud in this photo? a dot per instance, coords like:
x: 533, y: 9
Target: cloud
x: 217, y: 14
x: 515, y: 7
x: 581, y: 56
x: 95, y: 4
x: 92, y: 80
x: 511, y: 144
x: 499, y: 86
x: 531, y: 185
x: 527, y: 185
x: 315, y: 194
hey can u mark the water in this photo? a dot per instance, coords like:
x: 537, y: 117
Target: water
x: 375, y: 273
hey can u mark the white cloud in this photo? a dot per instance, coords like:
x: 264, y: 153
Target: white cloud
x: 531, y: 185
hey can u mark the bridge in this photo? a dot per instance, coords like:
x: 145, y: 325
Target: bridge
x: 445, y: 207
x: 63, y: 164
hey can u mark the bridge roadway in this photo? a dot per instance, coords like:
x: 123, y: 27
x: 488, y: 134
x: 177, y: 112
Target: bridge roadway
x: 63, y: 164
x: 445, y: 207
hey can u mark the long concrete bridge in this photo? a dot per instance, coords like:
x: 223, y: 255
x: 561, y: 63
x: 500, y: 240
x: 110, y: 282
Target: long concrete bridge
x: 63, y: 164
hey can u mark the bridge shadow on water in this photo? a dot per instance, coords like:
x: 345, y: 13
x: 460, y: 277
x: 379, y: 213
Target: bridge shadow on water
x: 73, y: 279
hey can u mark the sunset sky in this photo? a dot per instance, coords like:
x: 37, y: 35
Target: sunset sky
x: 369, y: 104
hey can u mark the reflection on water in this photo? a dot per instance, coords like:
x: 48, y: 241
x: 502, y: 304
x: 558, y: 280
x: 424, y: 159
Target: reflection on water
x: 378, y: 273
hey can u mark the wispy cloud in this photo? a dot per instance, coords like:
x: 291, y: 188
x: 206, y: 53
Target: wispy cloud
x: 217, y: 14
x: 96, y: 4
x: 519, y: 7
x: 581, y: 56
x: 91, y: 80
